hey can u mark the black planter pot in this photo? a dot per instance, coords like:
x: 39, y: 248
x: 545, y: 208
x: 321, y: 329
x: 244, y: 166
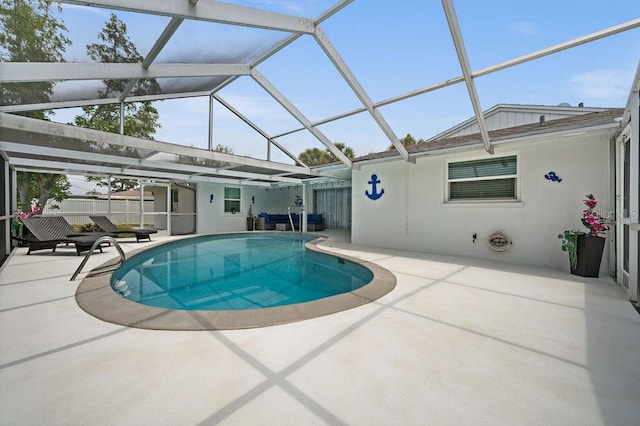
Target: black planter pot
x: 589, y: 253
x: 250, y: 224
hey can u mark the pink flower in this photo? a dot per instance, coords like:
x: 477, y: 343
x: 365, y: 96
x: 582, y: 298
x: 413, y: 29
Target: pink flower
x: 592, y: 220
x: 28, y: 214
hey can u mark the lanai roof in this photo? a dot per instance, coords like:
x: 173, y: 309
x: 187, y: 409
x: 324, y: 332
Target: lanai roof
x: 205, y: 49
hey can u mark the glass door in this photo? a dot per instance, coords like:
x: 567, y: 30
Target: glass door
x: 627, y: 195
x: 335, y: 206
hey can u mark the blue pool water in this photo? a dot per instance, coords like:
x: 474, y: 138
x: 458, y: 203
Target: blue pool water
x: 233, y: 272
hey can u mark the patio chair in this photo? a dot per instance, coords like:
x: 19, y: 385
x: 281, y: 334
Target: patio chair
x: 59, y: 226
x: 106, y: 225
x: 41, y: 238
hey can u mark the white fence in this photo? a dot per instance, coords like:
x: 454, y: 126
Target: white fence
x: 78, y: 210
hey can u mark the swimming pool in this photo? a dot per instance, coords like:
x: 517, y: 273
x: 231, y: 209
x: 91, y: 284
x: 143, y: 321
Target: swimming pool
x: 96, y: 295
x: 231, y: 272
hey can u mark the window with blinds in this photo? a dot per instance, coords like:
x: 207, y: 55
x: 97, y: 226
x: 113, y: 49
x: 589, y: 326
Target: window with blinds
x: 232, y: 200
x: 487, y: 179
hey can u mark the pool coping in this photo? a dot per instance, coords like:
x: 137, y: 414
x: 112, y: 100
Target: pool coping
x: 95, y: 296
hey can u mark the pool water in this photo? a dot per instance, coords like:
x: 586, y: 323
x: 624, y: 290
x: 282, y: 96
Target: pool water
x: 235, y: 272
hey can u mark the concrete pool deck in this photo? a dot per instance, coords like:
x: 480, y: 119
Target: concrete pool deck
x: 457, y: 341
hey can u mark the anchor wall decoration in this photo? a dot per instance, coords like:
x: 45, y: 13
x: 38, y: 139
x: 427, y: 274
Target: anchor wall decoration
x: 374, y: 195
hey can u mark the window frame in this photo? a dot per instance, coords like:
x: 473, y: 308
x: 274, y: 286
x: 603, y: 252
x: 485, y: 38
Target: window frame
x: 225, y: 199
x: 477, y: 201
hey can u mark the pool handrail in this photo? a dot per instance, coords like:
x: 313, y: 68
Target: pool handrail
x: 103, y: 268
x: 293, y: 228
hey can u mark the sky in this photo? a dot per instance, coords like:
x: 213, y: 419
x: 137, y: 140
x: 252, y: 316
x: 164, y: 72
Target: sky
x: 392, y: 48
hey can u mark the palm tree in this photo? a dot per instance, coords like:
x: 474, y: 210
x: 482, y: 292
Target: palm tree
x: 315, y: 156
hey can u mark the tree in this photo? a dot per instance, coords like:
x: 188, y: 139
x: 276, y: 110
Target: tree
x: 40, y: 187
x: 407, y: 141
x: 205, y: 162
x: 28, y: 33
x: 116, y: 184
x: 140, y: 118
x: 315, y: 156
x: 312, y: 156
x: 225, y: 149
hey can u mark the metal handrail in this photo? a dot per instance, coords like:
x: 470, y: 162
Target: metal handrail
x: 100, y: 269
x: 293, y: 229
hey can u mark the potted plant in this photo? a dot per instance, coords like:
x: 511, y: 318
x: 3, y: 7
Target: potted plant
x: 585, y: 248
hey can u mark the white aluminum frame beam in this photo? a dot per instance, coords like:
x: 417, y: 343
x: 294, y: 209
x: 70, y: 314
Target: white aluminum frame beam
x: 256, y: 128
x: 168, y: 32
x: 488, y: 70
x: 458, y: 42
x: 635, y: 88
x: 128, y: 162
x: 634, y: 195
x: 56, y: 129
x: 286, y: 104
x: 212, y: 11
x: 322, y: 39
x: 21, y: 72
x: 629, y: 25
x: 92, y: 102
x: 635, y: 23
x: 29, y: 164
x: 80, y: 103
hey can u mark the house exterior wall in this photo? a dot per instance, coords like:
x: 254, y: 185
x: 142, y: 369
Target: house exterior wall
x: 412, y: 214
x: 211, y: 217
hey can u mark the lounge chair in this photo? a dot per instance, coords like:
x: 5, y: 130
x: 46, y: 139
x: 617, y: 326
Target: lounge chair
x: 58, y: 225
x: 41, y: 238
x: 106, y: 225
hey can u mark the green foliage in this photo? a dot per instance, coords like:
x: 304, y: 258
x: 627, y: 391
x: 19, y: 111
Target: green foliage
x: 117, y: 184
x: 41, y: 187
x: 88, y: 227
x: 594, y: 223
x: 315, y: 156
x: 28, y: 33
x: 407, y: 141
x: 312, y: 156
x: 116, y: 47
x: 140, y: 118
x: 225, y: 149
x: 206, y: 162
x: 570, y: 245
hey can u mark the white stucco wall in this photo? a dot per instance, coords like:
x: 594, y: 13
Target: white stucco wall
x: 412, y: 213
x: 211, y: 216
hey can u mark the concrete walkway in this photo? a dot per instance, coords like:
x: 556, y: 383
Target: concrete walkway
x: 458, y: 341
